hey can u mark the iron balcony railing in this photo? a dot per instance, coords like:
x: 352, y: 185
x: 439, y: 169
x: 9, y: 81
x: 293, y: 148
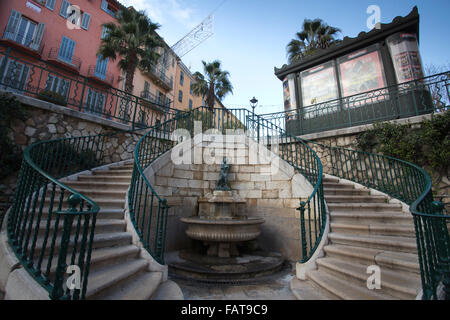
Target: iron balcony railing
x: 75, y: 62
x: 28, y: 75
x: 23, y: 40
x: 413, y: 98
x: 159, y: 101
x: 107, y: 78
x: 159, y: 73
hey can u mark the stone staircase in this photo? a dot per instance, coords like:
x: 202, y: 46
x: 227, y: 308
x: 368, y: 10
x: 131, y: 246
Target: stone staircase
x: 117, y: 271
x: 365, y: 230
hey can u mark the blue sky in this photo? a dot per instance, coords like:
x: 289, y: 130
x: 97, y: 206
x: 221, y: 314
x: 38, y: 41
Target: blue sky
x: 250, y: 36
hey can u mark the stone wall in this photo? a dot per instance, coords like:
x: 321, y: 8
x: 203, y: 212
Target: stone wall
x: 46, y: 121
x: 270, y: 193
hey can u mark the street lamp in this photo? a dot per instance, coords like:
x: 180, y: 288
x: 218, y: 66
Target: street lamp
x: 253, y: 103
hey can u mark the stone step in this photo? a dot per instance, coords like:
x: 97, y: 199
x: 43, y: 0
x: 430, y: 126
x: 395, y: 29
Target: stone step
x: 104, y: 213
x: 371, y: 217
x: 101, y: 225
x: 344, y: 289
x: 345, y: 192
x: 355, y: 199
x: 105, y: 178
x: 308, y: 290
x: 401, y: 244
x: 364, y: 207
x: 406, y: 230
x: 101, y: 257
x: 394, y: 260
x: 104, y: 280
x: 104, y: 203
x: 116, y: 172
x: 92, y: 193
x: 330, y: 179
x: 401, y: 286
x: 113, y: 186
x: 339, y: 185
x: 101, y: 240
x: 168, y: 290
x: 140, y: 287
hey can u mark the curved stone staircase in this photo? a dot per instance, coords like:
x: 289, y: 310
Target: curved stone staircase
x: 365, y: 229
x: 118, y: 271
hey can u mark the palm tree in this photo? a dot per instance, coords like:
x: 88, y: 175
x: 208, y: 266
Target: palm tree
x: 215, y: 83
x: 134, y: 40
x: 315, y: 35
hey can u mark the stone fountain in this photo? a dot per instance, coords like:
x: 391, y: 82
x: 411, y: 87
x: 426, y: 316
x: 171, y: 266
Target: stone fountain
x: 222, y: 227
x: 219, y: 224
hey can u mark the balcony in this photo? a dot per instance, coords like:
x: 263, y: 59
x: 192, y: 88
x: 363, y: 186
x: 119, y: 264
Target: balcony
x: 159, y: 77
x: 23, y: 42
x: 93, y: 74
x: 153, y: 102
x: 73, y: 65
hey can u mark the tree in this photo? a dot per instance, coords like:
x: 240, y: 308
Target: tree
x: 315, y: 35
x: 215, y: 83
x: 134, y: 40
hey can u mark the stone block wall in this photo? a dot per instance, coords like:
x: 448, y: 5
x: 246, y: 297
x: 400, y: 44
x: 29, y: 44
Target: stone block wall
x: 271, y: 194
x: 46, y: 121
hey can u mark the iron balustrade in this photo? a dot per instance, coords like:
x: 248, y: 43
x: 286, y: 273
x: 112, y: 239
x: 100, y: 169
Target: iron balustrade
x: 413, y: 98
x: 107, y: 78
x: 75, y: 63
x: 25, y: 74
x: 148, y: 210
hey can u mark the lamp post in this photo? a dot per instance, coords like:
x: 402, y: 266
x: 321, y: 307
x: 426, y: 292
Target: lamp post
x: 253, y: 104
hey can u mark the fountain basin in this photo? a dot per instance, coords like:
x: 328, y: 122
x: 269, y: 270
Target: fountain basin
x: 222, y: 235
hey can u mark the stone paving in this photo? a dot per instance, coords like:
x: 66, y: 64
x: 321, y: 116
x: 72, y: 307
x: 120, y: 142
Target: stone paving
x: 275, y: 287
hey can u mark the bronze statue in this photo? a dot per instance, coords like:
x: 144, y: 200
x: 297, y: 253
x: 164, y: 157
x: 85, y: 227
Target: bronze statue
x: 222, y: 183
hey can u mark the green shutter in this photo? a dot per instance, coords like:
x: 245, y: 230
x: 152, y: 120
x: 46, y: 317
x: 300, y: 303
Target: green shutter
x: 64, y: 6
x: 50, y: 4
x: 37, y: 39
x: 86, y: 20
x: 13, y: 24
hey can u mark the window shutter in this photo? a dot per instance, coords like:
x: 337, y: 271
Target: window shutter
x: 63, y: 11
x: 50, y: 4
x: 101, y: 66
x: 66, y: 50
x: 85, y: 21
x: 104, y: 5
x: 104, y: 33
x: 13, y: 24
x: 37, y: 38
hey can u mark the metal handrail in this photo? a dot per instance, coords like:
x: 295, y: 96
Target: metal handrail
x: 412, y: 185
x: 148, y: 209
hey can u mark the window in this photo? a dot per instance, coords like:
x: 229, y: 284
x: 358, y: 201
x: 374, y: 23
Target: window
x: 24, y: 31
x: 190, y: 104
x: 63, y: 10
x: 190, y: 88
x: 95, y: 102
x: 180, y: 96
x: 66, y: 50
x: 57, y: 85
x: 85, y: 21
x: 100, y: 67
x: 106, y: 6
x: 146, y: 86
x: 15, y: 76
x: 50, y: 4
x: 181, y: 77
x: 104, y: 33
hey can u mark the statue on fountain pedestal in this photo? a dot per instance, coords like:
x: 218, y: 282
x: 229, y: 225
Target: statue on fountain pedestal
x: 222, y: 183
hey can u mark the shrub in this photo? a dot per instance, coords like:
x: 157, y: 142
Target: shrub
x: 53, y: 97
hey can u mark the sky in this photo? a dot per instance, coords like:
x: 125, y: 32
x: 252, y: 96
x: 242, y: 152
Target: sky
x: 250, y: 36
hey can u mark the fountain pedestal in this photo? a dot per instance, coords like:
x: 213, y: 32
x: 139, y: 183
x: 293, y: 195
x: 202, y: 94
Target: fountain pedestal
x: 219, y: 224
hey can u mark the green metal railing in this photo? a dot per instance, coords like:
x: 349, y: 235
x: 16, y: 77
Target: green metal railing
x: 412, y: 185
x: 413, y: 98
x: 148, y: 210
x: 50, y: 225
x: 50, y: 81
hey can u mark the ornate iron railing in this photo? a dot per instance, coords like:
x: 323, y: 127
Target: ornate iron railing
x: 50, y: 225
x: 28, y: 75
x: 148, y: 211
x: 417, y: 97
x: 410, y: 184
